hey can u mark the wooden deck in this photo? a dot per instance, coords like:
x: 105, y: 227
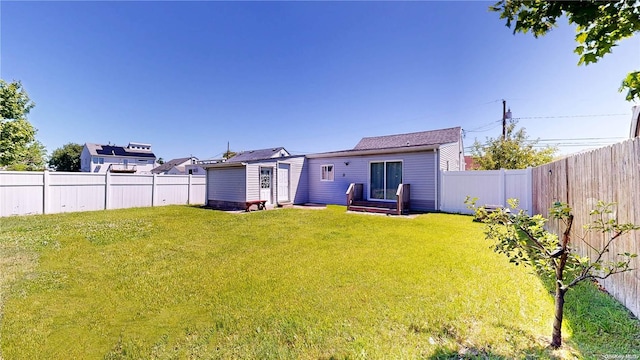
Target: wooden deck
x: 379, y: 207
x: 355, y: 201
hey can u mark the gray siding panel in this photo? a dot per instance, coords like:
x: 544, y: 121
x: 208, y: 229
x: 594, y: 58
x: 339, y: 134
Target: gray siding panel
x: 226, y: 184
x: 450, y: 155
x: 298, y: 180
x: 253, y: 180
x: 418, y: 170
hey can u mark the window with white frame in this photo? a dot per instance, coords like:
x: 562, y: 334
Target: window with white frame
x: 327, y: 172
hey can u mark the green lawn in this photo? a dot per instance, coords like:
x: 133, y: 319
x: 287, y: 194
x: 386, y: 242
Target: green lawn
x: 184, y: 282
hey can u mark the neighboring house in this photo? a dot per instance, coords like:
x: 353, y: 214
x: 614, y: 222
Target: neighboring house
x: 469, y: 163
x: 180, y: 166
x: 133, y: 158
x: 376, y: 166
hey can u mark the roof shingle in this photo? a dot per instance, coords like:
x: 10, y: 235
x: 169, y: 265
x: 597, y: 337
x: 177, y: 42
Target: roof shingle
x: 433, y: 137
x: 169, y: 165
x: 252, y: 155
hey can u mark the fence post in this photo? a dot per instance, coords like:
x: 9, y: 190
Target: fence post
x: 153, y: 191
x: 529, y: 191
x: 45, y: 192
x: 443, y: 190
x: 502, y: 188
x: 189, y: 191
x: 107, y: 190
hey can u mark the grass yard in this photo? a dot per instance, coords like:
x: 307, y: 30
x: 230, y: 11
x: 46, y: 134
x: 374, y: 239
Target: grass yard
x: 184, y: 282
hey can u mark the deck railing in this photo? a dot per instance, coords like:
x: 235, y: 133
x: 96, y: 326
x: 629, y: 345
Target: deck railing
x: 354, y: 193
x: 403, y: 194
x: 122, y: 168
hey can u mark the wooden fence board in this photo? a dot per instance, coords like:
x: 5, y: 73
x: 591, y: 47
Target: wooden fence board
x: 610, y: 174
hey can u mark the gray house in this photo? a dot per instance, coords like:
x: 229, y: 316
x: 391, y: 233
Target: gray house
x: 389, y: 174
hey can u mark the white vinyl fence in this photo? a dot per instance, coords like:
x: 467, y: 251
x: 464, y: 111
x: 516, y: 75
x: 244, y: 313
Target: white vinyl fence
x: 23, y: 193
x: 491, y: 187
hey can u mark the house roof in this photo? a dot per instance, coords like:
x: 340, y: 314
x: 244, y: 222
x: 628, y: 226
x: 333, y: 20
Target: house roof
x: 170, y: 164
x: 423, y: 138
x: 112, y: 150
x: 260, y: 154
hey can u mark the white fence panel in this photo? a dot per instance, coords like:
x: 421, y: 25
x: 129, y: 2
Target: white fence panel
x: 70, y: 192
x: 198, y: 190
x: 491, y: 187
x: 171, y: 190
x: 23, y: 193
x: 127, y: 191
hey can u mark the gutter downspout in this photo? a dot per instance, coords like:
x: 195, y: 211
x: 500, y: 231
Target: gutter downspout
x: 206, y: 187
x: 277, y: 182
x: 437, y: 178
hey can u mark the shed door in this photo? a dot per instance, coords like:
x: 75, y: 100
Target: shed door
x: 283, y: 182
x: 265, y: 184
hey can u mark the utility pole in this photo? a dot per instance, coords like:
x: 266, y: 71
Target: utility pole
x: 504, y: 120
x: 505, y: 115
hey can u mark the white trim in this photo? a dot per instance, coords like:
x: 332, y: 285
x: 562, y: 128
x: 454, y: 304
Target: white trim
x: 436, y: 179
x: 385, y: 177
x: 332, y: 172
x: 271, y: 183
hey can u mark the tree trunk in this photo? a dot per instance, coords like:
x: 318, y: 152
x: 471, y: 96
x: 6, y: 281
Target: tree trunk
x: 556, y: 338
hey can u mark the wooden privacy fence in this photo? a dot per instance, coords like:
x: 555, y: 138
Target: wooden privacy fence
x: 23, y: 193
x: 610, y: 174
x: 491, y: 187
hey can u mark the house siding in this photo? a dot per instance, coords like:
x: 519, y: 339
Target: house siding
x: 298, y: 187
x: 419, y: 170
x: 253, y: 179
x: 85, y: 160
x: 226, y: 185
x: 451, y: 157
x: 298, y: 180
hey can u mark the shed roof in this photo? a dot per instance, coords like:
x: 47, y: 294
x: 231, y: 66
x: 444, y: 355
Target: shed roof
x: 423, y: 138
x: 261, y: 154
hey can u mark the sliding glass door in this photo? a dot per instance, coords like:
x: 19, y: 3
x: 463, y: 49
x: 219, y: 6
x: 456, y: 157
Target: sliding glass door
x: 385, y: 176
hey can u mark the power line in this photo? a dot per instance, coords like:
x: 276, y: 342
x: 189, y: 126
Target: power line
x: 569, y: 142
x: 585, y: 139
x: 483, y: 128
x: 566, y: 116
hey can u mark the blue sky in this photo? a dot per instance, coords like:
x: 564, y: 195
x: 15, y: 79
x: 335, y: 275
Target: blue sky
x: 188, y: 77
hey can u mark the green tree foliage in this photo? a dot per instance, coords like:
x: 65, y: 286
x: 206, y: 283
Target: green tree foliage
x: 516, y: 151
x: 66, y: 158
x: 600, y: 25
x: 229, y: 154
x: 524, y: 240
x: 31, y: 159
x: 18, y: 145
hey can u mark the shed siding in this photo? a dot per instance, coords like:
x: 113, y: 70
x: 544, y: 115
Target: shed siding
x: 253, y: 179
x: 298, y: 187
x: 450, y: 157
x: 298, y: 180
x: 418, y: 170
x: 226, y: 184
